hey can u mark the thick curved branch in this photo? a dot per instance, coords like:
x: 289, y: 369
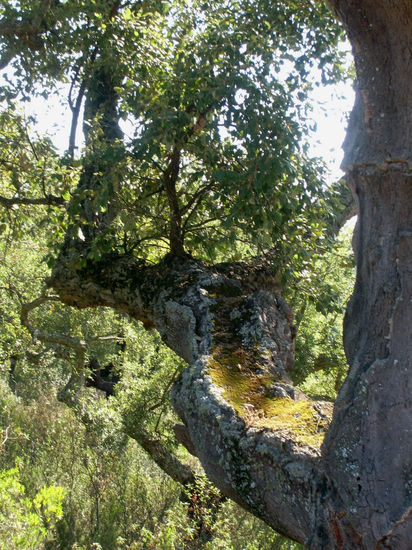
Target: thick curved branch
x: 244, y: 420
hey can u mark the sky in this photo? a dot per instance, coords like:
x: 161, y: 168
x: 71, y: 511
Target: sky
x: 331, y: 111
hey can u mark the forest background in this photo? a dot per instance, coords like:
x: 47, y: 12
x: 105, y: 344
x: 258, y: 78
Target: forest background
x: 84, y: 472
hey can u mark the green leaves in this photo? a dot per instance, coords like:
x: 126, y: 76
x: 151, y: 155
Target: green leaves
x: 319, y: 298
x: 225, y: 83
x: 213, y: 94
x: 26, y: 523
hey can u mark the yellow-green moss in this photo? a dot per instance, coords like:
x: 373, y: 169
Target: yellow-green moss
x: 297, y: 418
x: 246, y: 382
x: 244, y: 388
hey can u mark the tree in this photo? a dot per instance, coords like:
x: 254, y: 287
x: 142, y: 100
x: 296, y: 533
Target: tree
x: 257, y: 437
x: 374, y: 404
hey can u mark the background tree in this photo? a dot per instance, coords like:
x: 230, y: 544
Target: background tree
x: 181, y: 74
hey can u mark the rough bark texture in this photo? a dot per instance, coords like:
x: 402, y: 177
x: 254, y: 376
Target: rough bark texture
x: 239, y: 342
x: 367, y: 452
x: 257, y: 437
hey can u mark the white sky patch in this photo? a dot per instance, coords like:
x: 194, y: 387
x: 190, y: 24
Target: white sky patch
x: 53, y: 118
x: 331, y: 108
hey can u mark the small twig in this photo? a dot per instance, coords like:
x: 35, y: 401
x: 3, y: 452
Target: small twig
x: 6, y: 436
x: 33, y: 149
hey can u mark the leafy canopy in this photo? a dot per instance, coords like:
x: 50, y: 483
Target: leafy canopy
x: 214, y: 100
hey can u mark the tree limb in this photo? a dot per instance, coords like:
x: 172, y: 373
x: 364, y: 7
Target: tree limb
x: 78, y: 346
x: 236, y: 400
x: 48, y: 200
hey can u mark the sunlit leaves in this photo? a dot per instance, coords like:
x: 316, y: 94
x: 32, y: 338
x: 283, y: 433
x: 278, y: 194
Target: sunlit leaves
x: 30, y: 171
x: 226, y: 83
x: 26, y: 523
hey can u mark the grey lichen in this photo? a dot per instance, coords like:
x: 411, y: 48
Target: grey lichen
x: 179, y: 330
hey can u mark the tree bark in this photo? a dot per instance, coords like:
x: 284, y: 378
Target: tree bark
x: 367, y: 452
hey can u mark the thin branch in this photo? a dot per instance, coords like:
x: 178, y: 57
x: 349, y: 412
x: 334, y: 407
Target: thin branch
x: 68, y: 394
x: 79, y: 100
x: 28, y: 30
x: 194, y: 200
x: 78, y: 346
x: 129, y: 249
x: 33, y: 149
x: 195, y: 226
x: 75, y: 118
x: 105, y: 338
x: 48, y: 200
x: 195, y: 205
x: 156, y: 449
x: 8, y: 164
x: 165, y: 459
x: 158, y: 166
x: 160, y: 189
x: 6, y: 436
x: 73, y: 82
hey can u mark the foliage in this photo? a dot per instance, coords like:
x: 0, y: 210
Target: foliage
x: 27, y: 523
x: 223, y: 88
x: 321, y: 365
x: 115, y: 496
x: 213, y: 100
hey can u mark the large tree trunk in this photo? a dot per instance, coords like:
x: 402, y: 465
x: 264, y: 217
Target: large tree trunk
x: 368, y: 450
x: 257, y: 437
